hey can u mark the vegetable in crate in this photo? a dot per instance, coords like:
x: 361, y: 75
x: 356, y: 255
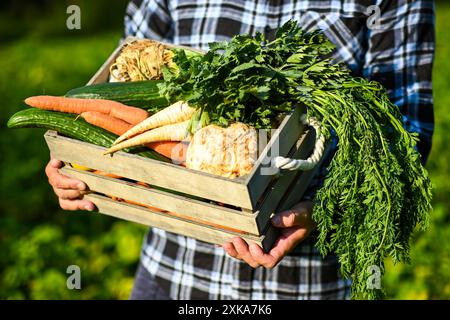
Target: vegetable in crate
x: 144, y: 59
x: 105, y: 121
x: 176, y: 151
x: 376, y: 190
x: 142, y: 94
x: 68, y: 125
x: 141, y: 60
x: 228, y: 152
x: 169, y: 124
x: 170, y: 132
x: 177, y: 112
x: 73, y: 105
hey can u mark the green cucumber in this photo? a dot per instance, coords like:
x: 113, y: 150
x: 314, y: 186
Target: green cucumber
x: 73, y: 127
x: 142, y: 94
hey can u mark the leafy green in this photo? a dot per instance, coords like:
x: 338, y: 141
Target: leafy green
x: 376, y: 190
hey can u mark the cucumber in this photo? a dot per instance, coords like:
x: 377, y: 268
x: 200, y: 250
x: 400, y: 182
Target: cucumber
x: 73, y: 127
x: 142, y: 94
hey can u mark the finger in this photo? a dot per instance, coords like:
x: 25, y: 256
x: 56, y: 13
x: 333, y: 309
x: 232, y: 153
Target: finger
x: 264, y: 259
x: 76, y: 205
x: 67, y: 194
x: 287, y: 241
x: 55, y: 163
x: 299, y: 215
x: 229, y: 248
x: 57, y: 180
x: 52, y: 167
x: 242, y: 249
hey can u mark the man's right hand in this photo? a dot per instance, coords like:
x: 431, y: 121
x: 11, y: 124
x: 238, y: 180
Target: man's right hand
x: 69, y: 191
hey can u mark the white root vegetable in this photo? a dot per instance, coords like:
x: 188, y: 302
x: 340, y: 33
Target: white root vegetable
x: 228, y: 152
x: 170, y: 132
x: 175, y: 113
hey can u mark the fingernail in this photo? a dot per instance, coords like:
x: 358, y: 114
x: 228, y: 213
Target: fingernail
x: 81, y: 186
x: 276, y: 220
x: 89, y: 207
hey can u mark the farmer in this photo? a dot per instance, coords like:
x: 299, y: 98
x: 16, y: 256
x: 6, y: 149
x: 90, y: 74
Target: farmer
x: 392, y: 43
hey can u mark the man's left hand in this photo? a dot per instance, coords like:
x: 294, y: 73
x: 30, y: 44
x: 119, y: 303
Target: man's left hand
x: 296, y: 224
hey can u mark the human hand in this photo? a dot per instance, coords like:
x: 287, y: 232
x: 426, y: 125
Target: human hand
x: 69, y: 191
x: 296, y: 224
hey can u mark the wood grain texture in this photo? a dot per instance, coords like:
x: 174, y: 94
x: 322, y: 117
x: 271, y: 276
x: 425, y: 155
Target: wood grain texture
x: 280, y: 144
x: 277, y: 190
x: 166, y: 201
x: 148, y: 217
x: 166, y: 175
x: 102, y: 75
x: 296, y: 191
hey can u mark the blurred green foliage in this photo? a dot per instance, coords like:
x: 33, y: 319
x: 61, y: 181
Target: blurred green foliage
x: 47, y: 18
x: 38, y: 241
x: 428, y: 275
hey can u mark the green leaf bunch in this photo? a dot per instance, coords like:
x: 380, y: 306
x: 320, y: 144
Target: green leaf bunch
x: 376, y: 190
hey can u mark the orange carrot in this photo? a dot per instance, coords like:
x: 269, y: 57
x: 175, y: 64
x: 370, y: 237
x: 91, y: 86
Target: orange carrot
x: 104, y: 121
x: 74, y: 105
x: 106, y: 174
x: 171, y: 149
x: 143, y: 184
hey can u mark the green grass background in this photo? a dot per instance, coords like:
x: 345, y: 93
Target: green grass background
x: 38, y: 241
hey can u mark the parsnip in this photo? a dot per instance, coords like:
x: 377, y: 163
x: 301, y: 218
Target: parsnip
x: 170, y: 132
x: 175, y: 113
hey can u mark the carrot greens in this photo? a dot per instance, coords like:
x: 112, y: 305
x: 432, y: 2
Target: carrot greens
x: 376, y: 190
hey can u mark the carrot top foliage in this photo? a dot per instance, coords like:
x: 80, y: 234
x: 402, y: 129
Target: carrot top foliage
x: 376, y: 190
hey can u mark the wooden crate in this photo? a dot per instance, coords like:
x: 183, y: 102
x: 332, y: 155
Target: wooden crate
x: 222, y: 209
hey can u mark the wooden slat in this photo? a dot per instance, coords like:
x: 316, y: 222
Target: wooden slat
x: 166, y: 201
x: 148, y: 217
x: 274, y: 195
x: 279, y: 145
x: 271, y: 234
x: 173, y: 46
x: 153, y: 172
x: 295, y: 193
x: 102, y: 75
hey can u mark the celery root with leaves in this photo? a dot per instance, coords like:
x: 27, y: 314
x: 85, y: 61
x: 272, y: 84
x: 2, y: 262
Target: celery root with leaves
x: 376, y: 190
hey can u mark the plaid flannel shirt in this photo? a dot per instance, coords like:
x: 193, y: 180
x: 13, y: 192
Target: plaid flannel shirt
x: 388, y: 41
